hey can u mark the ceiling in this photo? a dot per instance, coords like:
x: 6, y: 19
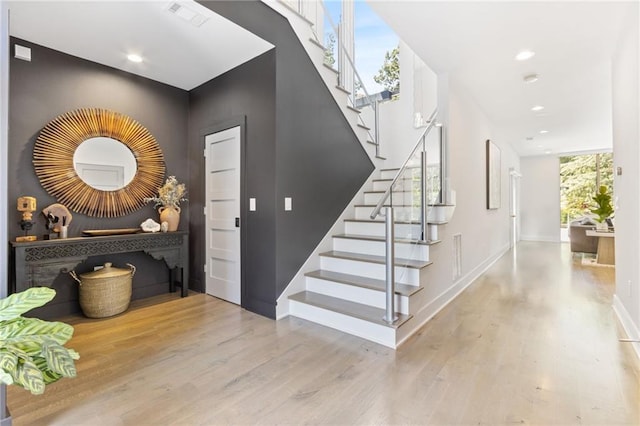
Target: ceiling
x: 174, y: 50
x: 476, y: 43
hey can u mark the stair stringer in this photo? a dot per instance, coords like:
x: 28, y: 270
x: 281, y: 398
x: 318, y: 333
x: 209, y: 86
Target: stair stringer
x: 304, y: 30
x: 298, y: 282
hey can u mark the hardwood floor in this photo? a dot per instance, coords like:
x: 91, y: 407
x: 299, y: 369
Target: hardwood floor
x: 532, y: 341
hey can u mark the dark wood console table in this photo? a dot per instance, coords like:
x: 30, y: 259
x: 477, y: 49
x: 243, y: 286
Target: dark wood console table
x: 38, y: 263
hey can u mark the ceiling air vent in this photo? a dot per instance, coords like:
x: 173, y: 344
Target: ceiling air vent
x: 186, y: 14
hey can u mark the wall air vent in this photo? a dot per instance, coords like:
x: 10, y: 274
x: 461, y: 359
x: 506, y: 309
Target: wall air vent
x: 186, y: 14
x: 457, y: 257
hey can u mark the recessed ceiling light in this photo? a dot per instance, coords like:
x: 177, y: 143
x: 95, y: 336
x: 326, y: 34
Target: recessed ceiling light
x: 524, y: 55
x: 548, y: 151
x: 540, y: 146
x: 134, y: 58
x: 531, y: 78
x: 537, y: 108
x: 542, y: 132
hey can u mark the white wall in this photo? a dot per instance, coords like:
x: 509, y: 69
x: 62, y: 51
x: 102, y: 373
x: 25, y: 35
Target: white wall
x: 485, y: 233
x: 626, y: 137
x: 540, y: 198
x: 418, y: 89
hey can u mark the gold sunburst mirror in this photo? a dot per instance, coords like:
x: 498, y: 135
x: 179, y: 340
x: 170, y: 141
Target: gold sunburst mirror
x: 75, y: 160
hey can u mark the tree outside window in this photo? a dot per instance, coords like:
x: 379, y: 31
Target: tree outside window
x: 580, y: 176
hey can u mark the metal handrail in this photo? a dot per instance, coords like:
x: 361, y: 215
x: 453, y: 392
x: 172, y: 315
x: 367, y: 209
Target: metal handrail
x: 372, y: 102
x: 432, y: 124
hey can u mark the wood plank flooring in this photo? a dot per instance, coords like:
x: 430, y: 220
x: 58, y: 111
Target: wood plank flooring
x: 532, y: 341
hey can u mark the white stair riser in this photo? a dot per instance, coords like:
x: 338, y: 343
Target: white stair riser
x: 399, y: 198
x: 441, y: 213
x: 400, y: 213
x: 432, y: 232
x: 377, y: 333
x: 356, y: 294
x: 403, y: 275
x: 377, y: 248
x: 408, y: 231
x: 388, y: 174
x: 403, y: 184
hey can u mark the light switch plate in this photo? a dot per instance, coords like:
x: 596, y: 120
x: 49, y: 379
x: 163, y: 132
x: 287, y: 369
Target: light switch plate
x: 287, y: 204
x: 22, y: 52
x: 252, y: 204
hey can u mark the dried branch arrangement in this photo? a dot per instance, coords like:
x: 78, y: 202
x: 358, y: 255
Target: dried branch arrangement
x: 53, y: 161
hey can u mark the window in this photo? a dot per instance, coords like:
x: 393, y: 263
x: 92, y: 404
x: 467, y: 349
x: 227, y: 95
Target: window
x: 580, y: 175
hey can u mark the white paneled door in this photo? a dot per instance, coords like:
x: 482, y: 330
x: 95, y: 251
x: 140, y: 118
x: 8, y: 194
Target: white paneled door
x: 223, y: 214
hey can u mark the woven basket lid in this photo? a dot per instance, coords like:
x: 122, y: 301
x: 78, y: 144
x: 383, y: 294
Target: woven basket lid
x: 108, y: 271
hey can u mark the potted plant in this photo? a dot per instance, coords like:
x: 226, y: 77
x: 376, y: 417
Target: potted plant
x: 32, y: 352
x: 604, y: 210
x: 169, y: 197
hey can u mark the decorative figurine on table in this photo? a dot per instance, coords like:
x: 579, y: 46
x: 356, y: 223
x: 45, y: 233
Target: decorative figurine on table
x: 26, y: 205
x: 58, y: 218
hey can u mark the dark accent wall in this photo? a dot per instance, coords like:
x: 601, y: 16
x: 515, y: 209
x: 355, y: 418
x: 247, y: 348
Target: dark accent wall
x: 54, y: 83
x: 297, y: 144
x: 246, y: 96
x: 317, y: 159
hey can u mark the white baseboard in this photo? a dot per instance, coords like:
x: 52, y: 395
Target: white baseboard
x: 628, y: 325
x: 447, y: 296
x: 540, y: 238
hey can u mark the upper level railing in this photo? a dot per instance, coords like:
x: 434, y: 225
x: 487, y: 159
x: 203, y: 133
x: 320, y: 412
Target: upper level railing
x: 349, y: 79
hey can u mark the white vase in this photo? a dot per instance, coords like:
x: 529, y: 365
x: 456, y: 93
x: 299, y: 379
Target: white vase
x: 602, y: 226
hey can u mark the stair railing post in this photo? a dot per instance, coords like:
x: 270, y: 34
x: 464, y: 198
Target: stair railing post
x: 423, y: 198
x: 390, y: 313
x: 376, y: 125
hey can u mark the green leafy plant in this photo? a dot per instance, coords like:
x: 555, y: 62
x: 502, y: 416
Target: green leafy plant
x: 32, y: 352
x: 602, y: 199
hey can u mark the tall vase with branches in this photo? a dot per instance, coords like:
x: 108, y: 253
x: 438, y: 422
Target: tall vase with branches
x: 169, y: 197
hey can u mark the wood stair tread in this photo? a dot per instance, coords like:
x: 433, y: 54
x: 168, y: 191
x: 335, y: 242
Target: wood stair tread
x: 383, y: 239
x: 364, y: 282
x: 382, y: 192
x: 331, y: 68
x: 345, y: 307
x: 381, y: 220
x: 317, y: 43
x: 380, y: 260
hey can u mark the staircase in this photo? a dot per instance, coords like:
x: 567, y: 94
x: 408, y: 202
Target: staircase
x: 348, y: 291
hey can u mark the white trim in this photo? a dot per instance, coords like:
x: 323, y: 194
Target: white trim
x: 628, y: 325
x: 447, y: 296
x: 541, y: 239
x: 5, y: 417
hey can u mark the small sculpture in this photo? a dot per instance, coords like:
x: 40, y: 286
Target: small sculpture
x: 150, y: 225
x: 26, y: 205
x: 58, y: 219
x: 164, y: 226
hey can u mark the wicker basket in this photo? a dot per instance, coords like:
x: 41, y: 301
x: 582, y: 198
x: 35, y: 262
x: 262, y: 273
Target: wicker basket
x: 105, y: 292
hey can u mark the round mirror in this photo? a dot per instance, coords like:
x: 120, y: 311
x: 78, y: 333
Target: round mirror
x: 104, y: 163
x: 58, y: 157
